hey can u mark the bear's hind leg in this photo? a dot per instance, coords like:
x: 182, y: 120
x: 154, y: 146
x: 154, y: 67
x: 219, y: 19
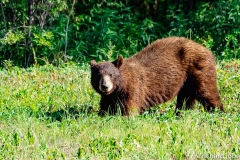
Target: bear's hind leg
x: 185, y: 95
x: 210, y: 102
x: 190, y: 101
x: 207, y: 93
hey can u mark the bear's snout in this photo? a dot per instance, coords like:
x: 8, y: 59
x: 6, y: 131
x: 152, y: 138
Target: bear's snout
x: 105, y: 84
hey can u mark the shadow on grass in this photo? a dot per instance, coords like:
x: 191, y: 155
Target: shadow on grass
x: 72, y: 112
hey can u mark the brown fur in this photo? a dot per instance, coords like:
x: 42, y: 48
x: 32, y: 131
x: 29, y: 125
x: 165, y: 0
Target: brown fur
x: 168, y: 67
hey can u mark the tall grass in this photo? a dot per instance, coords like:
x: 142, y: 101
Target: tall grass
x: 50, y: 113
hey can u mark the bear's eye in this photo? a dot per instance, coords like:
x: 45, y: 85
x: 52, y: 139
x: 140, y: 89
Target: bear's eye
x: 110, y: 75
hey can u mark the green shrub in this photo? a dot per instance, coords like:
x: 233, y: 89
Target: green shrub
x: 83, y: 30
x: 112, y: 30
x: 216, y: 25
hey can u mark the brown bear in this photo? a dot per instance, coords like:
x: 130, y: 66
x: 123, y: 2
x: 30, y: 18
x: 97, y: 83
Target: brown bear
x: 166, y: 68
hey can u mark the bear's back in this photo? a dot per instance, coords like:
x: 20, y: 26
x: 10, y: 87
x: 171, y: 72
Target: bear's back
x: 170, y: 51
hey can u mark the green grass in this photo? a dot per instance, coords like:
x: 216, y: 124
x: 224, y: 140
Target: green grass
x: 50, y: 113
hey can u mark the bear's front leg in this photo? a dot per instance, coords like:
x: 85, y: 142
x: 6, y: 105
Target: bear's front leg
x: 114, y: 105
x: 108, y: 106
x: 129, y: 107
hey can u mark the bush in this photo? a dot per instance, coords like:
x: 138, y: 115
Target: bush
x: 216, y: 25
x: 79, y: 31
x: 110, y: 31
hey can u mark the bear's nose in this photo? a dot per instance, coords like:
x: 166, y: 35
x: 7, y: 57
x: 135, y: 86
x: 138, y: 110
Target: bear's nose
x: 104, y: 86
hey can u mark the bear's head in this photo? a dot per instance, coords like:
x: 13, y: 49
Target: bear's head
x: 105, y: 76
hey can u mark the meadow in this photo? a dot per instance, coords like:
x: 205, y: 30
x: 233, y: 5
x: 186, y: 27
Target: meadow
x: 49, y: 112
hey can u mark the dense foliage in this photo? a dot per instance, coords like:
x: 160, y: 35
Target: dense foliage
x: 55, y: 31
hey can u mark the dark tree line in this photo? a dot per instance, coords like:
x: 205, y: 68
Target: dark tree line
x: 55, y: 31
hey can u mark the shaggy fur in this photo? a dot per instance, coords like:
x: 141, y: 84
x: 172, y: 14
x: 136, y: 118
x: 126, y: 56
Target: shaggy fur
x: 168, y: 67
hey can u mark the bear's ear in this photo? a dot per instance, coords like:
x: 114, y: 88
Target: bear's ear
x: 118, y: 62
x: 93, y: 63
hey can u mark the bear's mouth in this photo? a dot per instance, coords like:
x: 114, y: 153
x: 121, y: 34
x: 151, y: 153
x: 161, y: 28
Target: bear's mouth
x: 106, y: 92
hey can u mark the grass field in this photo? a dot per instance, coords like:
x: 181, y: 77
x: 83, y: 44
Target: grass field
x: 51, y: 113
